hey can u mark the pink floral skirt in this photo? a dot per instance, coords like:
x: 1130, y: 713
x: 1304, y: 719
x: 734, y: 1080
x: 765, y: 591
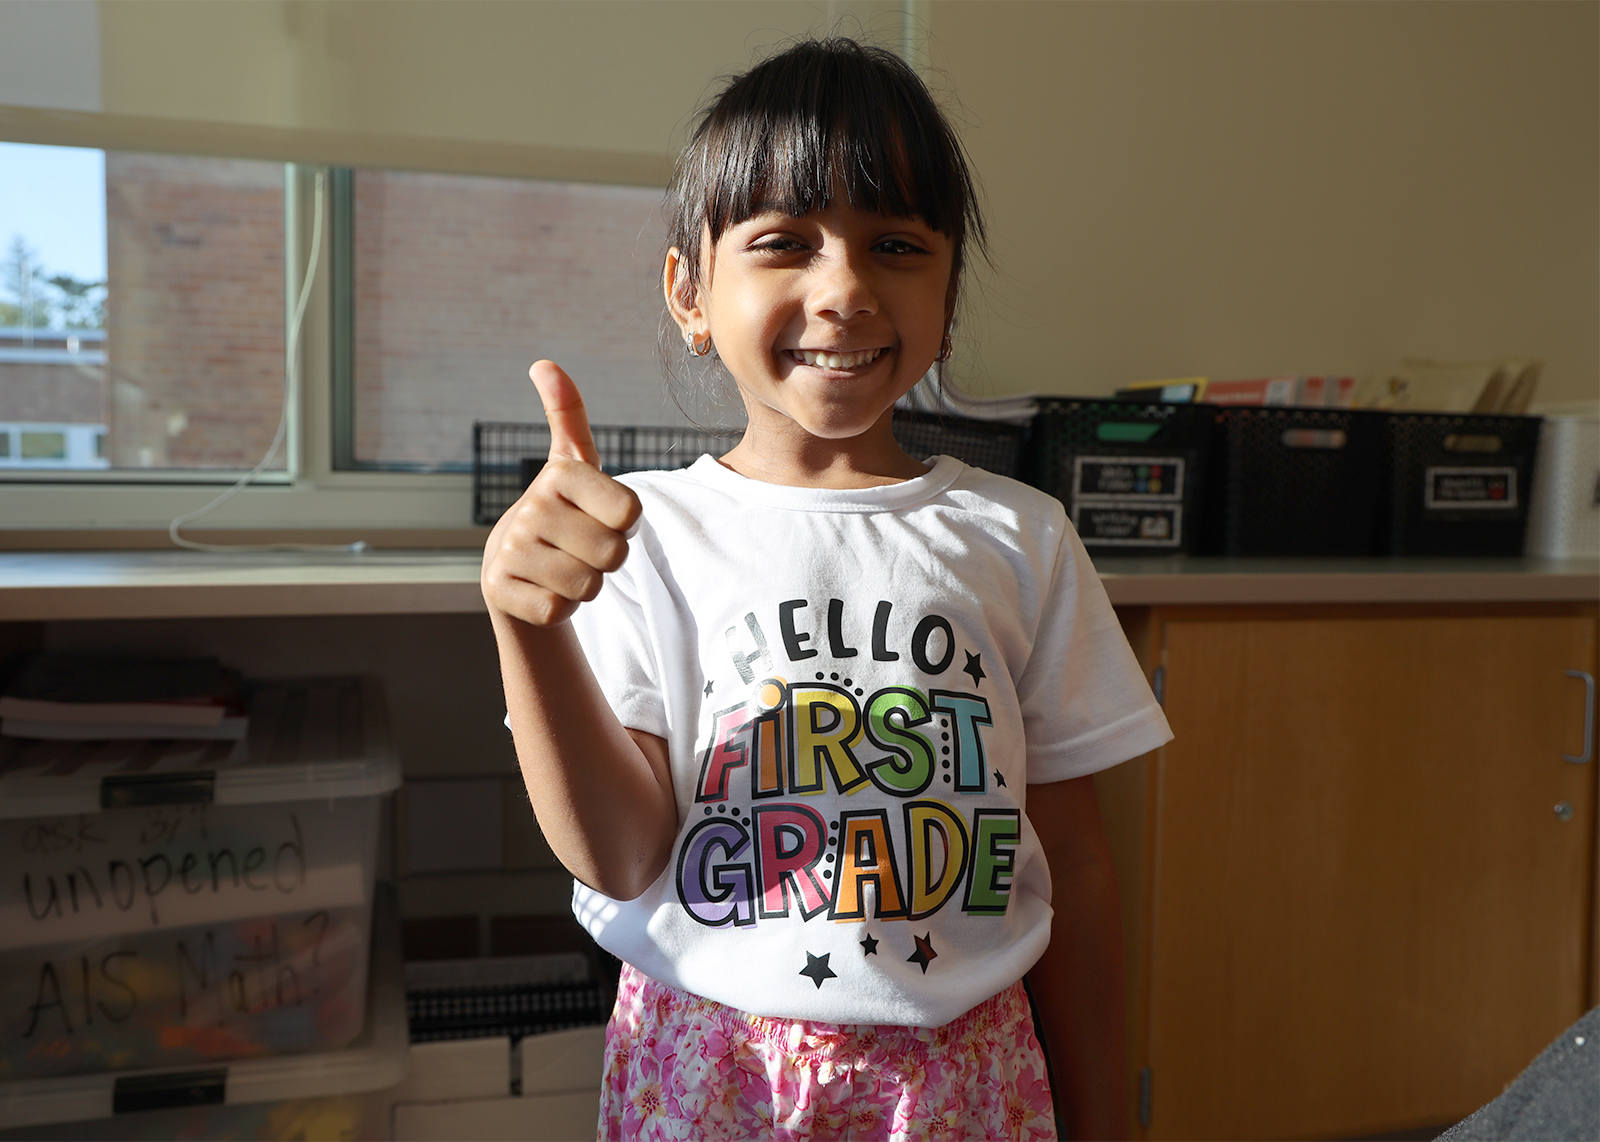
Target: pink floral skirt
x: 681, y: 1067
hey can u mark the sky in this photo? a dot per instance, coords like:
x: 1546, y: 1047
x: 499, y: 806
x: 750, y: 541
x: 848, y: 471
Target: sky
x: 55, y: 198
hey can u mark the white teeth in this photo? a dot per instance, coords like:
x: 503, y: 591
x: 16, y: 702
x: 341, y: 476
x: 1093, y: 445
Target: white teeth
x: 838, y: 360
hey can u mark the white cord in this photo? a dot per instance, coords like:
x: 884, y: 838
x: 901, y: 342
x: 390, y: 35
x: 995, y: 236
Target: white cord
x: 291, y: 377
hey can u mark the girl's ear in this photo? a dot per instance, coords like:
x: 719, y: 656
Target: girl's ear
x: 683, y: 299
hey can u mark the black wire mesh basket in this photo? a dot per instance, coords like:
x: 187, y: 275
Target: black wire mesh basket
x: 506, y: 456
x: 1130, y: 473
x: 1457, y: 484
x: 514, y: 1010
x: 991, y: 445
x: 1295, y: 482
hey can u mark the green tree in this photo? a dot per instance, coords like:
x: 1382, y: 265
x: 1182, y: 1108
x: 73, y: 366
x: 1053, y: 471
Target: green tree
x: 79, y: 304
x: 24, y: 287
x: 36, y: 300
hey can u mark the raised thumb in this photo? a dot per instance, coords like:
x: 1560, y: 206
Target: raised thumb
x: 570, y: 438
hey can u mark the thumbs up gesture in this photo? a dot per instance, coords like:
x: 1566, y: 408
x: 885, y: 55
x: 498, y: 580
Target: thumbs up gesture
x: 552, y: 548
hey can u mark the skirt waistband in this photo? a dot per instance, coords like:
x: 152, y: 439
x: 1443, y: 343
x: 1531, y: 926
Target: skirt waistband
x: 814, y: 1038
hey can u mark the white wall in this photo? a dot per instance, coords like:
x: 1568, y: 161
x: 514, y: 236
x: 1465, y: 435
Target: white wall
x: 1175, y: 188
x: 50, y: 54
x: 1246, y: 189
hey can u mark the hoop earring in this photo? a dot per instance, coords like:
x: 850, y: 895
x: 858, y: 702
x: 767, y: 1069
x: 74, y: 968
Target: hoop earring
x: 698, y: 348
x: 945, y: 349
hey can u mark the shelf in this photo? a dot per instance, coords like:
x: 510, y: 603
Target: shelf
x: 1208, y: 581
x: 186, y: 584
x: 181, y: 584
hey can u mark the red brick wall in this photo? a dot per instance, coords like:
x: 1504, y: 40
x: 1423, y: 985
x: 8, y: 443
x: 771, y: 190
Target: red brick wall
x: 461, y: 283
x: 195, y: 325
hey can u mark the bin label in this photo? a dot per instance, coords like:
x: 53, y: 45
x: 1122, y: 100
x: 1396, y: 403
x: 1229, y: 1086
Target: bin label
x: 1128, y: 523
x: 1144, y: 477
x: 136, y: 870
x: 1475, y: 488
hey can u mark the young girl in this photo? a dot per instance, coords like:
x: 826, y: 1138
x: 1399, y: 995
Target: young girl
x: 812, y: 725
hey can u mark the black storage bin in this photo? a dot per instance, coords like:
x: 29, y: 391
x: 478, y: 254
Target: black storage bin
x: 1131, y: 474
x: 506, y: 456
x: 515, y: 1010
x: 1457, y: 484
x: 1294, y: 482
x: 991, y: 445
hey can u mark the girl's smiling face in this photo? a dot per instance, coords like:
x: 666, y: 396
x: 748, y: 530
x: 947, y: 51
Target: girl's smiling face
x: 824, y: 320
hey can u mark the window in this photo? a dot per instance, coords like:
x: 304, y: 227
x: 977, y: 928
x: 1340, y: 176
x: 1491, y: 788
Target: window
x: 141, y: 309
x: 195, y: 322
x: 456, y: 284
x: 151, y: 356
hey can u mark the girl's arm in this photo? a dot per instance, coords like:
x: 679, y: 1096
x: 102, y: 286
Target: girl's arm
x: 602, y: 793
x: 1077, y: 985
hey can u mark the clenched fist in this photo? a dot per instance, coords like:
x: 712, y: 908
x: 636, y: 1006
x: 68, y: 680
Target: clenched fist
x: 552, y: 548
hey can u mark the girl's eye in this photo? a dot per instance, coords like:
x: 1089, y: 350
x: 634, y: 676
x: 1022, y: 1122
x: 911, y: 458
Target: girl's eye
x: 778, y: 244
x: 899, y: 246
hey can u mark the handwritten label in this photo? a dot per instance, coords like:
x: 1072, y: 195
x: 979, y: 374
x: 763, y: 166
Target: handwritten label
x: 98, y: 875
x: 196, y: 979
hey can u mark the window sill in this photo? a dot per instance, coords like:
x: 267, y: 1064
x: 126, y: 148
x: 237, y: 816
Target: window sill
x: 45, y: 586
x: 84, y: 584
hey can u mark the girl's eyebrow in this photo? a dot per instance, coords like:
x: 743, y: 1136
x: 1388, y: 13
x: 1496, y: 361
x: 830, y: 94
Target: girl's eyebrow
x: 763, y: 209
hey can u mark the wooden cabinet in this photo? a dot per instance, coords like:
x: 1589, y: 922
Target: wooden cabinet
x: 1353, y: 905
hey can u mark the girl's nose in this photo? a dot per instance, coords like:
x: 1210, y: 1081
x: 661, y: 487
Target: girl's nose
x: 842, y: 290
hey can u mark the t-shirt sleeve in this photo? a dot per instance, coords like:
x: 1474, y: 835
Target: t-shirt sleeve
x: 1085, y: 703
x: 615, y: 635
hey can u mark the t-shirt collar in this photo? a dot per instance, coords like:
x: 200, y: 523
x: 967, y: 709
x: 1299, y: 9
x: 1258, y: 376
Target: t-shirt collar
x: 887, y: 497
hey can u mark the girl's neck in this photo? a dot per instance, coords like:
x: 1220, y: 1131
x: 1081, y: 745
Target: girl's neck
x: 785, y: 453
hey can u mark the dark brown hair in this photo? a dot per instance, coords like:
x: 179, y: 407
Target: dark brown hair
x: 823, y: 117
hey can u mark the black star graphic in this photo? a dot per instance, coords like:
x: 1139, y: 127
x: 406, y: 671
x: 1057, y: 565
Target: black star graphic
x: 974, y: 667
x: 710, y: 685
x: 818, y: 970
x: 924, y: 954
x: 999, y: 778
x: 869, y: 946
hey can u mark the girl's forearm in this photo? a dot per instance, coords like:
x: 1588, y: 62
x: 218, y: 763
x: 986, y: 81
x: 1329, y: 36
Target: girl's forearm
x: 602, y: 793
x: 1077, y: 985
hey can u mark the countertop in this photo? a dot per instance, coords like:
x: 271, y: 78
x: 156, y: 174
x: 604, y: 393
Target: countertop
x: 185, y: 584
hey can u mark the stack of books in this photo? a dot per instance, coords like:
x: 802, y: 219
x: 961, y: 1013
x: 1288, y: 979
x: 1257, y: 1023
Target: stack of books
x: 1477, y: 388
x: 940, y: 395
x: 1289, y: 390
x: 79, y: 698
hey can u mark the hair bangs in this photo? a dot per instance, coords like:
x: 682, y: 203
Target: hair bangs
x: 823, y: 127
x: 821, y: 119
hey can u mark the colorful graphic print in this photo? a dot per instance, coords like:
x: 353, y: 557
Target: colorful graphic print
x: 762, y: 844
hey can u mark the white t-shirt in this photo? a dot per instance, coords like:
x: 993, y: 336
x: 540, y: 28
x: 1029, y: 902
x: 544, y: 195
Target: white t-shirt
x: 856, y: 688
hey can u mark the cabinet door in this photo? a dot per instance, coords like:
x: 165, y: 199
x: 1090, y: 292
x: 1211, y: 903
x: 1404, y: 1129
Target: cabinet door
x: 1367, y: 913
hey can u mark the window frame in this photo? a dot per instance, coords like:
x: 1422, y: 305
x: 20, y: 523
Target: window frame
x: 221, y: 477
x: 315, y: 494
x: 341, y: 223
x: 342, y: 240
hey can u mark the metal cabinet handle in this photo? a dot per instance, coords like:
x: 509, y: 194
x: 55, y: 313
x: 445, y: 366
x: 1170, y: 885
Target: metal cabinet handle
x: 1588, y: 718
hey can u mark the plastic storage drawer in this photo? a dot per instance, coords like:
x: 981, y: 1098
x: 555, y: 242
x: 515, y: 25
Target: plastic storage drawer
x: 173, y: 903
x: 321, y: 1094
x: 1131, y: 474
x: 1294, y: 482
x: 1457, y: 485
x: 1564, y: 510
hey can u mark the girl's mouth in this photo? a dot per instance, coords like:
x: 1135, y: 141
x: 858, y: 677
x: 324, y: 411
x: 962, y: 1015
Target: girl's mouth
x: 827, y: 360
